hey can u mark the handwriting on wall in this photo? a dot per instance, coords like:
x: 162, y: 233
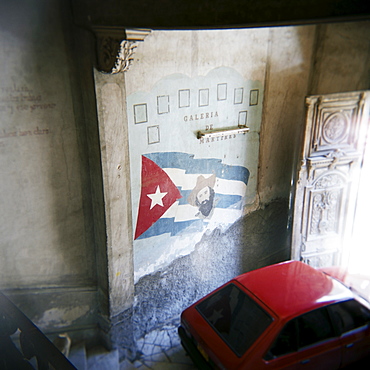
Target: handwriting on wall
x: 4, y: 134
x: 8, y: 134
x: 22, y: 99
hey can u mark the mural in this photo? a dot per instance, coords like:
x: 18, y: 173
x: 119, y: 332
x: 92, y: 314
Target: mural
x: 183, y: 186
x: 174, y: 196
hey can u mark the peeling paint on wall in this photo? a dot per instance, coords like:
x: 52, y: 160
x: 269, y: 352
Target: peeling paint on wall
x: 61, y: 317
x: 183, y: 186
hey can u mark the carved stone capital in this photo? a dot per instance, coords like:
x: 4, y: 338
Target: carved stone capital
x: 116, y: 46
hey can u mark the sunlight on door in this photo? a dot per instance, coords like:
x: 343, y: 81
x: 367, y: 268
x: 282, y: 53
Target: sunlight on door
x: 331, y: 193
x: 359, y: 250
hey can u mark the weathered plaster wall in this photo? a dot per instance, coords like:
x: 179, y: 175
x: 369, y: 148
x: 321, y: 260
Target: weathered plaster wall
x: 291, y: 62
x: 114, y: 155
x: 288, y: 74
x: 168, y: 143
x: 195, y: 53
x: 46, y: 225
x: 55, y: 220
x: 307, y: 60
x: 280, y: 58
x: 166, y: 64
x: 341, y: 58
x: 260, y: 237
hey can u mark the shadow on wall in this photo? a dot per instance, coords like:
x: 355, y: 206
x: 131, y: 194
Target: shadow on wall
x: 256, y: 240
x: 287, y: 83
x: 46, y: 238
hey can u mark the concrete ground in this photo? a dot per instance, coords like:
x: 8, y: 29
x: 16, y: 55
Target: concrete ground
x: 161, y: 350
x: 173, y: 359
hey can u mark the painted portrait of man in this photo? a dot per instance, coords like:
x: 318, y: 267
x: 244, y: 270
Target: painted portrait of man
x: 202, y: 196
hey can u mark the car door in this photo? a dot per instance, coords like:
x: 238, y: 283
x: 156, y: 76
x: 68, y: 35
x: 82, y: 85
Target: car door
x: 353, y: 321
x: 306, y: 342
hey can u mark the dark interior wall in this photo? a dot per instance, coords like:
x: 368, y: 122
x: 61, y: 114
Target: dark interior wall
x: 82, y: 50
x: 341, y: 60
x: 52, y: 215
x: 193, y: 14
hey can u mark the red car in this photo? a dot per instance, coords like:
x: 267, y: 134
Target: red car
x: 284, y: 316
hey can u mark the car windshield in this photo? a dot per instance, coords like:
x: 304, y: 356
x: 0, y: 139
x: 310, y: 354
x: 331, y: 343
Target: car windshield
x: 237, y: 318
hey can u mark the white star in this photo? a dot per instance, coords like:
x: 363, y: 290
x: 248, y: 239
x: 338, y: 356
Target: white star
x: 157, y: 198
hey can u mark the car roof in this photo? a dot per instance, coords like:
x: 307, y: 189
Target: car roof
x: 291, y: 288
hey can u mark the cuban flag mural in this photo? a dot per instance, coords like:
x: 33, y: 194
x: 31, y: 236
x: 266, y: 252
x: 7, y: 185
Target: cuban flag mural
x: 184, y: 186
x: 181, y: 194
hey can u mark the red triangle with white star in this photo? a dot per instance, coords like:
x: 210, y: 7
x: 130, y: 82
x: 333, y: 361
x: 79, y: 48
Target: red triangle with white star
x: 158, y: 193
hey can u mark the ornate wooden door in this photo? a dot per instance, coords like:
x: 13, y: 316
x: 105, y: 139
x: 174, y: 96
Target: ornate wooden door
x: 327, y: 176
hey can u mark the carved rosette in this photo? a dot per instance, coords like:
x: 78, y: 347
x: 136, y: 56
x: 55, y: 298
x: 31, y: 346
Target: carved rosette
x: 335, y: 128
x: 116, y: 46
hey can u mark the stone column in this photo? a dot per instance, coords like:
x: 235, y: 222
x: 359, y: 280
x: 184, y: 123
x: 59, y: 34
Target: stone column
x: 115, y: 56
x: 110, y: 94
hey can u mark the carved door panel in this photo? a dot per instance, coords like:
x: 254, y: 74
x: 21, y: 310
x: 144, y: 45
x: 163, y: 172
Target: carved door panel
x: 327, y: 176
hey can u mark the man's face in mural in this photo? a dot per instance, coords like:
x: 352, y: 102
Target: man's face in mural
x: 203, y: 195
x: 204, y: 200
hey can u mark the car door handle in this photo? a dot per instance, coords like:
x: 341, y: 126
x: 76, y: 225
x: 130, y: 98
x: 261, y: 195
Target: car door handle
x: 349, y: 345
x: 306, y: 361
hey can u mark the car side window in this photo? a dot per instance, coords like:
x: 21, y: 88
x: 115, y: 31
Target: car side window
x: 314, y: 327
x: 349, y: 315
x: 303, y: 331
x: 285, y: 343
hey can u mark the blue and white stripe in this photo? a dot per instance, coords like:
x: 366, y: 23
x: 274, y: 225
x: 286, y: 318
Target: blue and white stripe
x: 184, y: 169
